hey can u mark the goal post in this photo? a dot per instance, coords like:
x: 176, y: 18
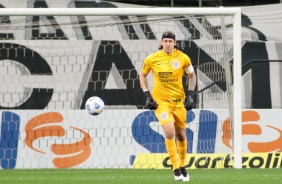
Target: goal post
x: 155, y: 17
x: 237, y: 91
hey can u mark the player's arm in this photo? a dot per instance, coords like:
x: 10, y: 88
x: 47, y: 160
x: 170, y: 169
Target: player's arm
x: 150, y: 102
x: 143, y: 81
x: 189, y: 102
x: 192, y: 77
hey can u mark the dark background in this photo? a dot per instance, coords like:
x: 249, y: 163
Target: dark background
x: 195, y: 3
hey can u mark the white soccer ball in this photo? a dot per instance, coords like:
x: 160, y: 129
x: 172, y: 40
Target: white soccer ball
x: 94, y: 105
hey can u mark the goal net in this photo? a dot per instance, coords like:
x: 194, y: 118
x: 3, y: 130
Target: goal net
x: 52, y: 61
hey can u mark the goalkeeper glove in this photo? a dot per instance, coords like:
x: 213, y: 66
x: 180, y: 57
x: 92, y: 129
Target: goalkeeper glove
x: 188, y: 102
x: 150, y: 102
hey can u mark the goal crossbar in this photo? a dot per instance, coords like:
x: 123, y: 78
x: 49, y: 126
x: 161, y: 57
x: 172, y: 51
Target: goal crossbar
x: 117, y: 11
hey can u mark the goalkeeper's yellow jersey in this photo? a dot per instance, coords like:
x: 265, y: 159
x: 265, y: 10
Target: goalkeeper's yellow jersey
x: 167, y: 70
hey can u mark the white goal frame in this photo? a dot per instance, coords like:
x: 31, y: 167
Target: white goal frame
x: 235, y: 12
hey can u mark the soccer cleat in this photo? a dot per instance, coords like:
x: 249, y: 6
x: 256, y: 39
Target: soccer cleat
x: 177, y: 175
x: 185, y: 174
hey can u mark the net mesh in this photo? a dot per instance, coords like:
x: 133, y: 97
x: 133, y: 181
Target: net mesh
x: 55, y: 63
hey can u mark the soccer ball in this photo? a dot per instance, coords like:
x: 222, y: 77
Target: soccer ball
x: 94, y: 105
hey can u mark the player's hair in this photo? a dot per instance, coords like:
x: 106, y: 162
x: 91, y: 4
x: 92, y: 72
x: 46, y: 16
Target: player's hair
x: 168, y: 34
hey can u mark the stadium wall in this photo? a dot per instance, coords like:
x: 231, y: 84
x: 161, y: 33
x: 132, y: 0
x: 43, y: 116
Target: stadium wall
x: 119, y: 139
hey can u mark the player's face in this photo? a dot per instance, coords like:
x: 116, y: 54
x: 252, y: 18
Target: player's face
x: 168, y: 45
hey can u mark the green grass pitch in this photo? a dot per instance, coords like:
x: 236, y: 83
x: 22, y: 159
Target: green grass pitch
x: 142, y: 176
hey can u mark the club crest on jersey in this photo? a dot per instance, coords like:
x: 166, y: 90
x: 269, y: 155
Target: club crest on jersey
x: 175, y: 64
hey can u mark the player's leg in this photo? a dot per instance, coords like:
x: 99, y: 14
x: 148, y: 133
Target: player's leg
x: 171, y: 148
x: 180, y: 132
x: 182, y: 150
x: 181, y: 145
x: 166, y: 120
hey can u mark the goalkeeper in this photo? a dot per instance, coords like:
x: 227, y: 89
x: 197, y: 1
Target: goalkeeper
x: 168, y: 97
